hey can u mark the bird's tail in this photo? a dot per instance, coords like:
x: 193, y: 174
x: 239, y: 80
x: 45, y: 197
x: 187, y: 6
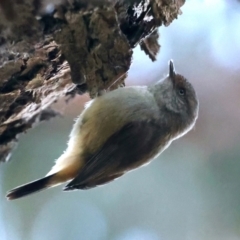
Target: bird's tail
x: 32, y: 187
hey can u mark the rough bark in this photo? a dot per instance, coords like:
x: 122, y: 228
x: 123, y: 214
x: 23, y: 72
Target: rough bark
x: 48, y: 51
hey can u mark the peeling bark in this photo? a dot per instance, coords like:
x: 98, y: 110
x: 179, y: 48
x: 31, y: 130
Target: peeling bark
x: 67, y: 48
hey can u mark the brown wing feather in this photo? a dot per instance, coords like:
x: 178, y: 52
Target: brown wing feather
x: 133, y: 145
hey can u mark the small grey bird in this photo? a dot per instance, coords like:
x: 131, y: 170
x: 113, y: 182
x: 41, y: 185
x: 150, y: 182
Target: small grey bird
x: 120, y: 131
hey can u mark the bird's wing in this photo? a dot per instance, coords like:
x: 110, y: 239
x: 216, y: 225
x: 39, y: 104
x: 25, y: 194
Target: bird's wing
x: 133, y: 145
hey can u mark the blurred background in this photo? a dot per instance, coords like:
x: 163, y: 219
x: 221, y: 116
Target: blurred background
x: 191, y: 192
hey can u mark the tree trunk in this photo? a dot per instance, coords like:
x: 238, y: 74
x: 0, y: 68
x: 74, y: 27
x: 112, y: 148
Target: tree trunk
x: 52, y: 49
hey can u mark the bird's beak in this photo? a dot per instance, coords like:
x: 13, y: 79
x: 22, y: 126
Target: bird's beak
x: 171, y: 70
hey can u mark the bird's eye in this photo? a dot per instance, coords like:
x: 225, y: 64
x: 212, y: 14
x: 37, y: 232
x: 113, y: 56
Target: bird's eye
x: 182, y: 91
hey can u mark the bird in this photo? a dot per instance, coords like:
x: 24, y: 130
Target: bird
x: 120, y: 131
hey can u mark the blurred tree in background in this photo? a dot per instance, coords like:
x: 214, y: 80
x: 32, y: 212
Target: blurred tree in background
x: 192, y: 192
